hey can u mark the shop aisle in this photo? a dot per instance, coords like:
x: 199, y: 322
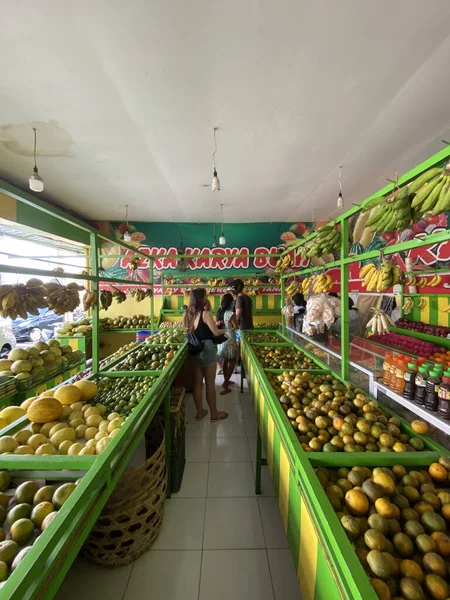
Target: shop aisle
x: 218, y: 540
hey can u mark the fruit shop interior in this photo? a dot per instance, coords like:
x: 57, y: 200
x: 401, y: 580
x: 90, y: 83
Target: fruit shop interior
x: 330, y: 477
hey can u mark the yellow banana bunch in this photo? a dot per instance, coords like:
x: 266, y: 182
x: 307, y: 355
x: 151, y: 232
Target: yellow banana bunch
x: 273, y: 280
x: 408, y: 305
x: 283, y: 264
x: 293, y: 288
x: 379, y: 279
x: 89, y: 300
x: 435, y: 281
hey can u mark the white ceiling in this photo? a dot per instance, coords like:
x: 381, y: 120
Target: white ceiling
x: 125, y: 96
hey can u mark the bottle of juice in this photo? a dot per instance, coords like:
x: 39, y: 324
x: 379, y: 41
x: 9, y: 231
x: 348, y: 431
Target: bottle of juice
x: 387, y: 368
x: 444, y: 397
x: 432, y: 390
x: 410, y: 381
x: 400, y: 376
x: 392, y: 373
x: 421, y: 382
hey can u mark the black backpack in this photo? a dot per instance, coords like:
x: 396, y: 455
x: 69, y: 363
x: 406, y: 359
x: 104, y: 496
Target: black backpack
x: 195, y: 346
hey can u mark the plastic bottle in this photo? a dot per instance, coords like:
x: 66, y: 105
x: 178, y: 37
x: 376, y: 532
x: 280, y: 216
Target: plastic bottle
x: 421, y: 360
x: 387, y: 368
x: 392, y: 372
x: 410, y: 381
x: 400, y: 377
x: 444, y: 397
x: 421, y: 382
x: 432, y: 389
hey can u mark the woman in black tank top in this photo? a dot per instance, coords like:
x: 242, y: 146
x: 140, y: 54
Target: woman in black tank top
x: 199, y: 321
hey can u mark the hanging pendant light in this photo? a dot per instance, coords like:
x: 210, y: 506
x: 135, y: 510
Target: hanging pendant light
x: 215, y: 186
x: 340, y: 200
x: 126, y: 235
x: 222, y: 240
x: 214, y: 236
x: 35, y: 181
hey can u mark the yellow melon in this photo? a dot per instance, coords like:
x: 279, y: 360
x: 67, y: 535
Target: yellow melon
x: 87, y: 388
x: 44, y: 410
x: 12, y: 413
x: 68, y: 394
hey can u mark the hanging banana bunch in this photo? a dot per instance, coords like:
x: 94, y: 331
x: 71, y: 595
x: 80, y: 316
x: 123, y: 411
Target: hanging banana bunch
x: 293, y: 288
x: 90, y: 299
x: 62, y: 298
x: 118, y: 295
x: 18, y: 300
x: 380, y: 322
x: 149, y: 293
x: 106, y: 299
x: 327, y: 241
x: 283, y: 264
x: 379, y: 279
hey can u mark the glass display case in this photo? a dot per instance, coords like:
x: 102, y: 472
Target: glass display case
x: 366, y: 359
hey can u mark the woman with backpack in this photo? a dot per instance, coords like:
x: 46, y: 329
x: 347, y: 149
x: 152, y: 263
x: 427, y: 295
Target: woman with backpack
x: 200, y: 327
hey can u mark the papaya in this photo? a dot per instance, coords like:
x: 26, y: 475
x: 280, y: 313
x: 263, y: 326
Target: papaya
x: 401, y: 501
x: 432, y: 500
x: 380, y: 563
x: 384, y: 508
x: 433, y: 522
x: 425, y: 543
x: 351, y: 526
x: 381, y: 589
x: 436, y: 586
x: 433, y: 563
x: 442, y: 542
x: 386, y: 482
x: 411, y: 493
x: 411, y: 589
x: 374, y: 539
x: 372, y: 490
x: 413, y: 529
x: 438, y: 472
x: 357, y: 502
x: 422, y: 507
x: 409, y: 514
x: 394, y: 526
x: 409, y: 568
x: 403, y: 544
x: 379, y: 523
x: 356, y: 478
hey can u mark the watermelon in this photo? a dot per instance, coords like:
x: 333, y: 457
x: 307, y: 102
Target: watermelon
x: 356, y: 249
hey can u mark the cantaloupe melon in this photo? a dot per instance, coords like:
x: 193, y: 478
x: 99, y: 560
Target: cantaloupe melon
x: 68, y: 394
x: 44, y: 410
x: 87, y: 388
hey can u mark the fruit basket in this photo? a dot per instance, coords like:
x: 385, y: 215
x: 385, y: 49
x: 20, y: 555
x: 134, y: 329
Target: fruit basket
x: 25, y: 384
x: 8, y: 386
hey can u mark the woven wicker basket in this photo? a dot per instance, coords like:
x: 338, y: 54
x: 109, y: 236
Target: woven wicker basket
x: 132, y: 517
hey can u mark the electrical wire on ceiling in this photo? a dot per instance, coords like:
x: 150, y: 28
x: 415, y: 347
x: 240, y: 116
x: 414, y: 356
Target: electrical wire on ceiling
x: 126, y: 235
x: 35, y: 181
x: 215, y: 186
x: 222, y: 239
x: 340, y: 200
x: 214, y: 236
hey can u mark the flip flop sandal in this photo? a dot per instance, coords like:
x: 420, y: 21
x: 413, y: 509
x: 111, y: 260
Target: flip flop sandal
x: 223, y: 416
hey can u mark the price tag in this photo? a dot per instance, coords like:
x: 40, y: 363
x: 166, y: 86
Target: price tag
x: 397, y: 289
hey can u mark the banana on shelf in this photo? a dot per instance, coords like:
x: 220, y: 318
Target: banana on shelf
x: 327, y: 241
x: 432, y: 191
x: 316, y: 284
x: 380, y: 278
x: 380, y: 322
x: 293, y: 288
x: 18, y: 300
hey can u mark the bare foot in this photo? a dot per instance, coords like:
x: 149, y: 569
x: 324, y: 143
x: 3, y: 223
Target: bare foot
x: 220, y: 416
x: 201, y: 415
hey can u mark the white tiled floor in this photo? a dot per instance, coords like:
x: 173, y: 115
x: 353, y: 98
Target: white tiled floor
x: 218, y: 539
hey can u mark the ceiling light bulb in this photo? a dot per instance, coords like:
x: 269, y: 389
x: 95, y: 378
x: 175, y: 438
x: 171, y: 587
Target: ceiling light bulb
x: 340, y: 201
x: 126, y: 237
x: 215, y: 182
x: 36, y: 182
x: 222, y: 240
